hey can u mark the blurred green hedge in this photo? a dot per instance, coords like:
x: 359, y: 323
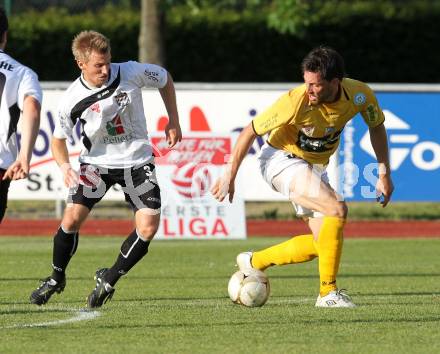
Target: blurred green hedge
x: 238, y: 47
x: 43, y: 40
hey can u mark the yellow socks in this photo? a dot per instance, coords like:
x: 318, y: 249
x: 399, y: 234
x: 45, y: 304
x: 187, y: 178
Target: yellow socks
x: 330, y: 248
x: 296, y: 250
x: 303, y: 248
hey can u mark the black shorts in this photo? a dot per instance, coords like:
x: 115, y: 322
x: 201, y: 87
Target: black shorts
x: 4, y: 188
x: 138, y: 183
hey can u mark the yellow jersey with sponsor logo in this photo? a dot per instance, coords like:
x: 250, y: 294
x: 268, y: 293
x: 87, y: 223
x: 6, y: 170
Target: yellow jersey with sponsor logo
x: 312, y: 132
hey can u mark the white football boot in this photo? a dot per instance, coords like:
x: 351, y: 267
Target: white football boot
x: 335, y: 298
x: 244, y: 261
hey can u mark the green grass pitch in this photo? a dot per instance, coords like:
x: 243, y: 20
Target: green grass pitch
x: 175, y: 301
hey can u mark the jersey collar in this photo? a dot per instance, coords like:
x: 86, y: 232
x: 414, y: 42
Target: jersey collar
x: 89, y: 87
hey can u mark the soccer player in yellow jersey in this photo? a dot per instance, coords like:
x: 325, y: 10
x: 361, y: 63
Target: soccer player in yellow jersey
x: 304, y: 128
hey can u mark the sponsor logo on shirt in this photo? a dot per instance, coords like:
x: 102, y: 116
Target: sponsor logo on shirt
x: 115, y: 126
x: 102, y: 94
x: 269, y: 123
x: 322, y: 144
x: 151, y: 75
x: 372, y: 113
x: 116, y: 132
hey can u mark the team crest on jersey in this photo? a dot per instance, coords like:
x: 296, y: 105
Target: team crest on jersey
x: 359, y: 98
x: 122, y: 99
x: 308, y: 130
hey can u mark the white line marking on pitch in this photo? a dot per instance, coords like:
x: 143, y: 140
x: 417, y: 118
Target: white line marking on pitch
x: 79, y: 316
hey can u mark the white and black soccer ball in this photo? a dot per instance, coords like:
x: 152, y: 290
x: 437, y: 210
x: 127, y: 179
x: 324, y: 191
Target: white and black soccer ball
x: 249, y: 287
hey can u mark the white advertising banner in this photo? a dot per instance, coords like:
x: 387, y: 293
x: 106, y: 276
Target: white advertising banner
x: 217, y: 111
x: 224, y: 111
x: 185, y: 174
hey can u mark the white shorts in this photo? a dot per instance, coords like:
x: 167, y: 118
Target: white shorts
x: 284, y: 165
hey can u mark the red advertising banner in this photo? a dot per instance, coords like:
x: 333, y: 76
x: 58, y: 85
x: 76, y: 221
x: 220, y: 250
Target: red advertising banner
x: 186, y: 174
x: 213, y: 150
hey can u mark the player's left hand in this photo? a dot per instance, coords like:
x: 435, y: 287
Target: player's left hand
x: 173, y: 134
x: 18, y: 170
x: 384, y: 188
x: 222, y: 187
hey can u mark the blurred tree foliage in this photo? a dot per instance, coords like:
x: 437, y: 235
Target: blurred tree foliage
x: 297, y: 16
x: 42, y: 40
x: 71, y: 6
x: 245, y: 40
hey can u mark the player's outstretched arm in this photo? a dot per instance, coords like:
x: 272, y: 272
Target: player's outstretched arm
x: 226, y: 184
x: 172, y: 130
x: 31, y: 123
x: 61, y: 156
x: 379, y: 141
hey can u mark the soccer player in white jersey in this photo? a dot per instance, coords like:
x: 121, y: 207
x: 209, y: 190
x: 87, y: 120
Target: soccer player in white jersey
x: 20, y: 94
x: 107, y: 101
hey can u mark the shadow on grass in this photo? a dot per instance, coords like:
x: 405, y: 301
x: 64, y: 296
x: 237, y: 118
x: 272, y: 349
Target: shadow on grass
x: 29, y: 311
x: 27, y: 308
x: 313, y: 275
x: 348, y: 275
x: 286, y: 321
x: 182, y: 299
x: 37, y: 279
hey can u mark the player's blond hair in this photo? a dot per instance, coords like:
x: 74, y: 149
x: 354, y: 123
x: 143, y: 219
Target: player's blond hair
x: 86, y: 42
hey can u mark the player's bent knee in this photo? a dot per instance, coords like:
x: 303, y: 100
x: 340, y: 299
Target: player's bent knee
x: 71, y: 225
x: 73, y: 218
x: 147, y: 231
x: 147, y: 223
x: 336, y: 209
x: 72, y: 221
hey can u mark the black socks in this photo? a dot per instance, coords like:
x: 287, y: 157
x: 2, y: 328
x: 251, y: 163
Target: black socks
x: 133, y: 249
x: 64, y: 247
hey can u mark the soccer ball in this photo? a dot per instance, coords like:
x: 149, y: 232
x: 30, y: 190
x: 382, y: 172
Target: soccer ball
x: 249, y: 287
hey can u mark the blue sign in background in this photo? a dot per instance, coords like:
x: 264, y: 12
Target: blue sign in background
x: 413, y: 127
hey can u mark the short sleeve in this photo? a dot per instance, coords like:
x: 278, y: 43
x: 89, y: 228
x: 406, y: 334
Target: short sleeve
x: 280, y: 113
x: 147, y: 75
x: 63, y: 123
x: 371, y: 112
x: 29, y: 86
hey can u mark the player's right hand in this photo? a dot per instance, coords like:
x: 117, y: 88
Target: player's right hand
x: 18, y: 170
x: 222, y: 187
x: 173, y: 134
x: 384, y: 189
x: 70, y: 176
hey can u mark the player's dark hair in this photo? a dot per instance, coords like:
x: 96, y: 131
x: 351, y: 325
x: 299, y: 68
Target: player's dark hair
x: 4, y: 24
x: 326, y: 61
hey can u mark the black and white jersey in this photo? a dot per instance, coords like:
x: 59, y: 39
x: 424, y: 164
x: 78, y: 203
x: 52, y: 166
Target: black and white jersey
x: 16, y: 82
x: 114, y: 129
